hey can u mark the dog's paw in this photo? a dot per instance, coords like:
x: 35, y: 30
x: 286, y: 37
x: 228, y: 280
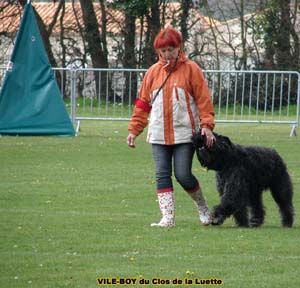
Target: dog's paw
x: 256, y: 222
x: 216, y: 220
x: 242, y: 223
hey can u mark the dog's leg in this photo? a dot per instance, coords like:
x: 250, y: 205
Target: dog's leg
x: 218, y: 216
x: 257, y: 209
x: 220, y: 213
x: 224, y: 210
x: 232, y: 192
x: 241, y: 217
x: 282, y: 193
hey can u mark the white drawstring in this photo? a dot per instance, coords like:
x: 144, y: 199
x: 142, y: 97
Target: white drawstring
x: 167, y: 64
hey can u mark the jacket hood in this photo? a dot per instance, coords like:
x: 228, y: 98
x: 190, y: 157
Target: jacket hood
x: 168, y: 64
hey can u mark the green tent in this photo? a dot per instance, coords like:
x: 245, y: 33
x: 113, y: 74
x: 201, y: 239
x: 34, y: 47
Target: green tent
x: 30, y: 100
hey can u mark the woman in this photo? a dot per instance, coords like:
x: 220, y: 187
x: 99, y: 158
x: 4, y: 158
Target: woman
x: 175, y: 91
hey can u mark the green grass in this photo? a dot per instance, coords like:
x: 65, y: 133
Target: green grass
x: 74, y: 209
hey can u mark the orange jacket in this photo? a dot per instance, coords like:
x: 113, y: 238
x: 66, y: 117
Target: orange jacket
x: 181, y: 106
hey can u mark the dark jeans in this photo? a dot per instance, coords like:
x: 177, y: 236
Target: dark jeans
x: 182, y: 155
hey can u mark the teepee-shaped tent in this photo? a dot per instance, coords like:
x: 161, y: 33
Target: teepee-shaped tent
x: 30, y: 100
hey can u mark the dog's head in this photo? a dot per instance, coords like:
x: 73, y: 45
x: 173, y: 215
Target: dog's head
x: 215, y: 157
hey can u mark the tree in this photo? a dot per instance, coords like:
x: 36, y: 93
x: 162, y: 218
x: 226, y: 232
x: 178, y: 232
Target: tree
x: 153, y: 27
x: 276, y: 25
x: 96, y: 43
x: 184, y: 16
x: 92, y: 36
x: 132, y: 10
x: 287, y: 51
x: 136, y: 10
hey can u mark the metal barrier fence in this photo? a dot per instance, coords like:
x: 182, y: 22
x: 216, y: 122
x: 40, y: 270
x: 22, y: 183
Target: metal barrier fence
x: 238, y: 96
x: 63, y: 75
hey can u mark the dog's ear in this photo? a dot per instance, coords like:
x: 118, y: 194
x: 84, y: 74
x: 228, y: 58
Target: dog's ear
x: 198, y: 140
x: 227, y: 140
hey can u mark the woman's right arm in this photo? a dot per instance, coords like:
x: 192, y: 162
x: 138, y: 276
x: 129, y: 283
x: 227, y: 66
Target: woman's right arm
x: 142, y: 108
x: 131, y: 140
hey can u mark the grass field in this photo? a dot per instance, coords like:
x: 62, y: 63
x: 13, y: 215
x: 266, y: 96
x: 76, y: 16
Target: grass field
x: 74, y: 209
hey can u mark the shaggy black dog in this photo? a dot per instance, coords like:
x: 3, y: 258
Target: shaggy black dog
x: 242, y: 174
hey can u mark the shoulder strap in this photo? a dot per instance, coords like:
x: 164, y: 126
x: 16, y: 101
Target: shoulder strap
x: 163, y: 84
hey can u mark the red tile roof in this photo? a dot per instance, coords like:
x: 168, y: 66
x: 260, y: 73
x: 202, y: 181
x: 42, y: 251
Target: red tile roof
x: 10, y: 15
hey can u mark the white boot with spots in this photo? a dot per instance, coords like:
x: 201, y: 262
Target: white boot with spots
x: 167, y: 208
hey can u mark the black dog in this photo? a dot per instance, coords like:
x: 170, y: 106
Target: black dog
x: 242, y: 174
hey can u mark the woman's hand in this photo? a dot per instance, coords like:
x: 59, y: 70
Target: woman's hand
x: 130, y: 140
x: 210, y: 138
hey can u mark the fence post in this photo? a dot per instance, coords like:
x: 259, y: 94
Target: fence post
x: 73, y: 94
x: 293, y: 129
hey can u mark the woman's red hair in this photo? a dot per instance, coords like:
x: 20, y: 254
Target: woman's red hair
x: 167, y: 37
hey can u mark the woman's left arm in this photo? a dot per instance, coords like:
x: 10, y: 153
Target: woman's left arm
x: 203, y: 100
